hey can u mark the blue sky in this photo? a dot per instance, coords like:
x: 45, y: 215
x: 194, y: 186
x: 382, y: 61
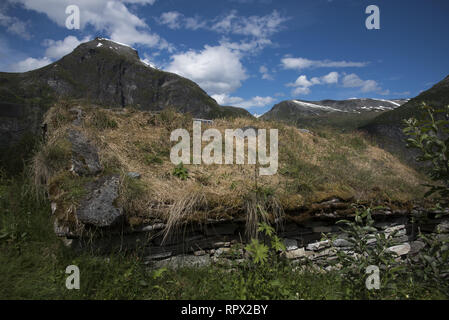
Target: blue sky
x: 249, y: 53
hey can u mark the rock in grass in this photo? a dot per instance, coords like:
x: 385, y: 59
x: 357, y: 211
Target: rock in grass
x: 298, y: 253
x: 401, y: 249
x: 416, y: 246
x: 342, y: 243
x: 134, y: 175
x: 290, y: 244
x: 318, y: 245
x: 97, y: 208
x: 85, y: 160
x: 183, y: 261
x: 443, y: 227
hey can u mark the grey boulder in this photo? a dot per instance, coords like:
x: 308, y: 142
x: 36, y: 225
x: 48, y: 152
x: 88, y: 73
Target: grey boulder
x: 98, y: 208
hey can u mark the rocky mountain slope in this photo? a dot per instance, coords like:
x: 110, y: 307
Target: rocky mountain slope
x: 387, y: 127
x: 102, y: 72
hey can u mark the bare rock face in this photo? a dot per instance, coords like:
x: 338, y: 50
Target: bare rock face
x: 98, y: 208
x: 85, y: 160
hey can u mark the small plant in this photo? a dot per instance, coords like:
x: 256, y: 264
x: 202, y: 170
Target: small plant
x: 181, y: 172
x: 260, y: 252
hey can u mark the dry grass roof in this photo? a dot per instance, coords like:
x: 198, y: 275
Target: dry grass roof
x: 313, y: 167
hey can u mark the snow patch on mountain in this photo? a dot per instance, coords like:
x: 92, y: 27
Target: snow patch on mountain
x: 116, y: 42
x: 311, y: 105
x: 392, y: 102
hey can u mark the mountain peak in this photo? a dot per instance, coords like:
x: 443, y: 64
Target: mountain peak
x: 104, y: 45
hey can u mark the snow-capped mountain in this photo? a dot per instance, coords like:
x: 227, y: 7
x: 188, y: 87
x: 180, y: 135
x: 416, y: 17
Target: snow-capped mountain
x: 291, y: 109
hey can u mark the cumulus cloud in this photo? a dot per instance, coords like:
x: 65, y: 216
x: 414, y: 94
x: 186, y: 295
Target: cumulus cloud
x: 353, y: 81
x: 54, y: 51
x: 254, y: 102
x: 58, y: 49
x: 302, y: 84
x: 301, y: 91
x: 217, y: 69
x: 110, y: 16
x: 330, y: 78
x: 303, y: 63
x: 29, y: 64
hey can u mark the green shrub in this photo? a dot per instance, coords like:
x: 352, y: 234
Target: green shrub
x: 368, y: 248
x: 261, y: 253
x: 430, y: 136
x: 431, y: 266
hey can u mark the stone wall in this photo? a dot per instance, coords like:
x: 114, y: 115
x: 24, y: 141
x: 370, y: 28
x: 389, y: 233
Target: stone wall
x: 223, y: 241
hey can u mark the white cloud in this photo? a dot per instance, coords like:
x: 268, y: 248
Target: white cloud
x: 217, y: 69
x: 301, y: 91
x: 110, y: 16
x: 257, y: 29
x: 302, y: 63
x: 29, y: 64
x: 250, y: 46
x: 14, y: 25
x: 254, y: 102
x: 58, y: 49
x: 331, y: 78
x: 265, y: 73
x: 171, y: 19
x: 194, y: 23
x: 353, y: 81
x: 148, y: 61
x: 302, y: 84
x: 176, y: 20
x: 255, y: 26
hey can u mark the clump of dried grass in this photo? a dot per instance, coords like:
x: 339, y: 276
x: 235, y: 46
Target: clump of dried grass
x: 262, y: 207
x: 183, y: 210
x: 49, y: 159
x: 133, y: 196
